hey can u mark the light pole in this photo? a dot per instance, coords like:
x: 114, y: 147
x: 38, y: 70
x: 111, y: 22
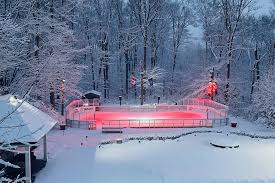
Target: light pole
x: 120, y: 99
x: 63, y: 122
x: 158, y: 99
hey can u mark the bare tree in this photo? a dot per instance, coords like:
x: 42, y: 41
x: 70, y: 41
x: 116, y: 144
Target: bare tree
x: 181, y: 17
x: 145, y: 12
x: 233, y: 12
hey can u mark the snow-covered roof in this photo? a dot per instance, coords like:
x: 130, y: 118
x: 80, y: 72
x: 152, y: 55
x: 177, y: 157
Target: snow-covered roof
x: 25, y: 123
x: 92, y: 91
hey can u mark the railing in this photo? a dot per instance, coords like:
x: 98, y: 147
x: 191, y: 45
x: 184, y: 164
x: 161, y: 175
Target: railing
x: 163, y: 123
x: 149, y: 123
x: 146, y: 108
x: 79, y: 105
x: 215, y: 112
x: 213, y: 106
x: 204, y: 102
x: 82, y: 124
x: 84, y: 112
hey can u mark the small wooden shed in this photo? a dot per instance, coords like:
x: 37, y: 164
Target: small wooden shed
x: 91, y: 95
x: 91, y: 98
x: 23, y: 125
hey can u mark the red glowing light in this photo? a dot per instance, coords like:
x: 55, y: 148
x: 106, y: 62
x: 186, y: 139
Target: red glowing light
x: 212, y: 88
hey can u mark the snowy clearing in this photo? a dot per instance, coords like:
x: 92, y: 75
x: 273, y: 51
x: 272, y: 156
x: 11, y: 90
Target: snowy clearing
x: 190, y: 158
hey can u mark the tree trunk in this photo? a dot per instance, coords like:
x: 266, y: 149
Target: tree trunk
x: 120, y: 44
x: 143, y: 69
x: 5, y: 7
x: 145, y: 51
x: 52, y: 96
x: 142, y: 90
x: 154, y: 47
x: 135, y: 58
x: 126, y: 73
x: 93, y: 73
x: 105, y: 66
x: 255, y: 70
x: 228, y: 70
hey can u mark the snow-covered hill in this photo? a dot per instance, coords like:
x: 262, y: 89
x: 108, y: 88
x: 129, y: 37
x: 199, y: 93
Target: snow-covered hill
x: 77, y: 157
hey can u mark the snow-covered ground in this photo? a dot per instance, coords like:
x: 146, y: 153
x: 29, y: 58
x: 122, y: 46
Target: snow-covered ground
x: 75, y: 158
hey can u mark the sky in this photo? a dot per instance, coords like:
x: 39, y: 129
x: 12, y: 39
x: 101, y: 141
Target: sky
x: 264, y: 8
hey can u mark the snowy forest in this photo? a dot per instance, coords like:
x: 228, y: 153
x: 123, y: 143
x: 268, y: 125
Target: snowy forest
x: 50, y: 46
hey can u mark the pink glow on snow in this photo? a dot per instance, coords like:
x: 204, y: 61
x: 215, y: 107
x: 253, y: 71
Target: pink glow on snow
x: 147, y: 119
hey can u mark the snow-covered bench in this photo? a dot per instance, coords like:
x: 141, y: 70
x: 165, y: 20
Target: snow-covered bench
x: 112, y: 130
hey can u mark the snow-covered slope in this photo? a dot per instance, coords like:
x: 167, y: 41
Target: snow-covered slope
x: 76, y: 157
x: 191, y: 159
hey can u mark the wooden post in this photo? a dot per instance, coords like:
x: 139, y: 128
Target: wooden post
x: 28, y: 165
x: 45, y: 148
